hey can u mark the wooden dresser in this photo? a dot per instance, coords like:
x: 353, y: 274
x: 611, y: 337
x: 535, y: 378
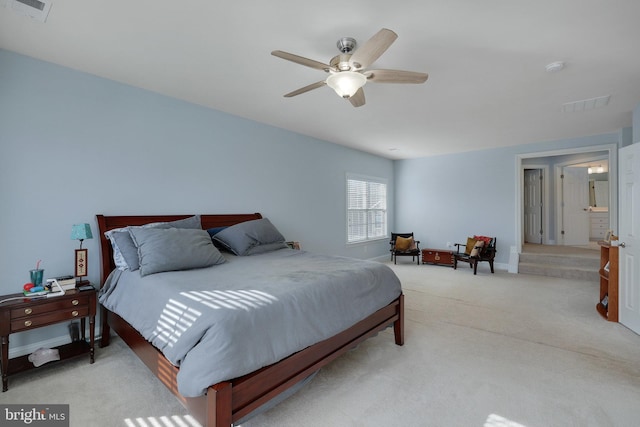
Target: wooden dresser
x: 599, y: 224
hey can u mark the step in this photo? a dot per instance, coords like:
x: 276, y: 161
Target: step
x: 578, y: 261
x: 562, y: 262
x: 560, y: 271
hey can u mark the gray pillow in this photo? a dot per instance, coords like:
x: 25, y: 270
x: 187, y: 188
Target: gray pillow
x: 127, y: 249
x: 267, y: 247
x: 191, y: 222
x: 174, y: 249
x: 245, y: 238
x: 125, y: 252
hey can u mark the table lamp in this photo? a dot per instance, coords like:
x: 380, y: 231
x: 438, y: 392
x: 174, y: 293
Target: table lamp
x: 81, y: 232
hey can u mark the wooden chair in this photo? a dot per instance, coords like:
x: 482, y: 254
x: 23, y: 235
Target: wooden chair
x: 412, y: 250
x: 475, y: 254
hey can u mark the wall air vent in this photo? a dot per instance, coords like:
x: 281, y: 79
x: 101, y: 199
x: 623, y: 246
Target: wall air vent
x: 36, y: 9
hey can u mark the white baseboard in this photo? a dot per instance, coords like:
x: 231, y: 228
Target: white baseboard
x: 514, y: 259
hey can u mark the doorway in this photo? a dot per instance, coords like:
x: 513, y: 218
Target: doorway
x: 533, y: 207
x: 550, y: 218
x: 574, y: 206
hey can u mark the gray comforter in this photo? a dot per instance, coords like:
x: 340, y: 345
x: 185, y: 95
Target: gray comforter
x: 225, y: 321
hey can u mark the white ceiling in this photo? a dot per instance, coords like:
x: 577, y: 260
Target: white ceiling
x: 486, y: 60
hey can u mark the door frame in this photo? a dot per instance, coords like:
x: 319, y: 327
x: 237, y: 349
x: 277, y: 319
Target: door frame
x: 611, y: 148
x: 544, y: 221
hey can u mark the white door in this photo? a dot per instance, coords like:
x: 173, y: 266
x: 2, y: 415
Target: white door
x: 575, y: 211
x: 532, y: 206
x: 629, y: 235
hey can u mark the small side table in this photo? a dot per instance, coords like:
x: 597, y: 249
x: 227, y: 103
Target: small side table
x: 437, y: 257
x: 24, y: 314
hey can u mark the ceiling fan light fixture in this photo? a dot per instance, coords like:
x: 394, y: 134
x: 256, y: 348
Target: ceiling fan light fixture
x: 346, y: 83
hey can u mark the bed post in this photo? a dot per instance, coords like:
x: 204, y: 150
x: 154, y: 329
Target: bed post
x: 105, y: 269
x: 398, y: 325
x: 219, y: 405
x: 105, y: 338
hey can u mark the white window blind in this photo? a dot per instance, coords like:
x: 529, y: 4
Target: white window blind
x: 366, y: 209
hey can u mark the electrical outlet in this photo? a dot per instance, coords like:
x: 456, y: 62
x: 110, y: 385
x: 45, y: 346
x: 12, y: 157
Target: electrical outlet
x: 449, y: 245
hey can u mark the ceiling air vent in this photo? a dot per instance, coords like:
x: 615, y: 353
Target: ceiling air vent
x: 36, y: 9
x: 586, y: 104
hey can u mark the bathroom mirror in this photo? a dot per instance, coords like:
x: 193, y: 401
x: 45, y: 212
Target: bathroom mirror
x: 598, y: 193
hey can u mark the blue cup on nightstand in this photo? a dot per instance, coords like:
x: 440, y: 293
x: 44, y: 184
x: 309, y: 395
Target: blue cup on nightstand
x: 36, y: 276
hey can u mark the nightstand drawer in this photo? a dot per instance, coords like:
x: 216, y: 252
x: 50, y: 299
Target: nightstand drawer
x: 30, y: 322
x: 53, y: 305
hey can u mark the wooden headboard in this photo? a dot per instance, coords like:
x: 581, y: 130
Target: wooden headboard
x: 106, y: 223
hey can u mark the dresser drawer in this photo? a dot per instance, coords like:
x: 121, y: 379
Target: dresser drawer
x: 29, y: 322
x: 49, y: 306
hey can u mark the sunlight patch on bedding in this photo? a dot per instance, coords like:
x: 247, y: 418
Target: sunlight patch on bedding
x: 176, y: 318
x: 494, y: 420
x: 233, y: 300
x: 163, y: 421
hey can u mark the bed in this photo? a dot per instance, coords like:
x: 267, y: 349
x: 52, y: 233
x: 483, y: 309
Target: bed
x: 227, y: 400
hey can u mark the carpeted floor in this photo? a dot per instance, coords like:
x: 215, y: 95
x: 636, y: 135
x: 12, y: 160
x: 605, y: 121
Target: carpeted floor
x: 489, y: 350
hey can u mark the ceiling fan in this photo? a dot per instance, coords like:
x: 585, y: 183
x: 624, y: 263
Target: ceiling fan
x: 347, y: 71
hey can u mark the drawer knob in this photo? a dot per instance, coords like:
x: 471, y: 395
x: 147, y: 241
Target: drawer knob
x: 74, y: 313
x: 27, y: 323
x: 75, y: 302
x: 28, y: 311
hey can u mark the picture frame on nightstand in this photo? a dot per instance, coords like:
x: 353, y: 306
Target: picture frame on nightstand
x: 81, y: 262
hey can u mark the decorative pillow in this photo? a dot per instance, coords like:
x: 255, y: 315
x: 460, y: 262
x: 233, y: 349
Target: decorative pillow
x: 125, y: 252
x: 477, y: 249
x: 403, y: 244
x: 172, y: 249
x: 242, y: 238
x: 470, y: 244
x: 485, y: 239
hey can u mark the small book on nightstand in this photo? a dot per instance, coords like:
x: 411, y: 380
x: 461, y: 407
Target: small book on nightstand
x: 65, y: 282
x: 85, y: 286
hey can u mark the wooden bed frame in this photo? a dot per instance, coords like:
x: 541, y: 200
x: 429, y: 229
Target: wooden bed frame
x: 229, y: 401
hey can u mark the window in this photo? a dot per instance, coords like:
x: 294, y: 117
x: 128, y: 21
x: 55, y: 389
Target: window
x: 366, y: 209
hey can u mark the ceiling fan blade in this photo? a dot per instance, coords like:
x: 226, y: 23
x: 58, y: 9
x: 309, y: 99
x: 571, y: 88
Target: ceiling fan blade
x: 373, y: 48
x: 301, y: 60
x: 306, y: 89
x: 396, y: 76
x: 357, y: 100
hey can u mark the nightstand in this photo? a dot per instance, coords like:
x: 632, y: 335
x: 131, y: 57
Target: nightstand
x: 24, y: 314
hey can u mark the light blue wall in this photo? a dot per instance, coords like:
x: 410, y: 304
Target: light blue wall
x: 636, y: 123
x: 73, y: 145
x: 450, y: 197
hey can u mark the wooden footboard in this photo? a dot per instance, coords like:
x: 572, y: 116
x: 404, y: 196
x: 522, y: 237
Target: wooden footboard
x: 229, y: 401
